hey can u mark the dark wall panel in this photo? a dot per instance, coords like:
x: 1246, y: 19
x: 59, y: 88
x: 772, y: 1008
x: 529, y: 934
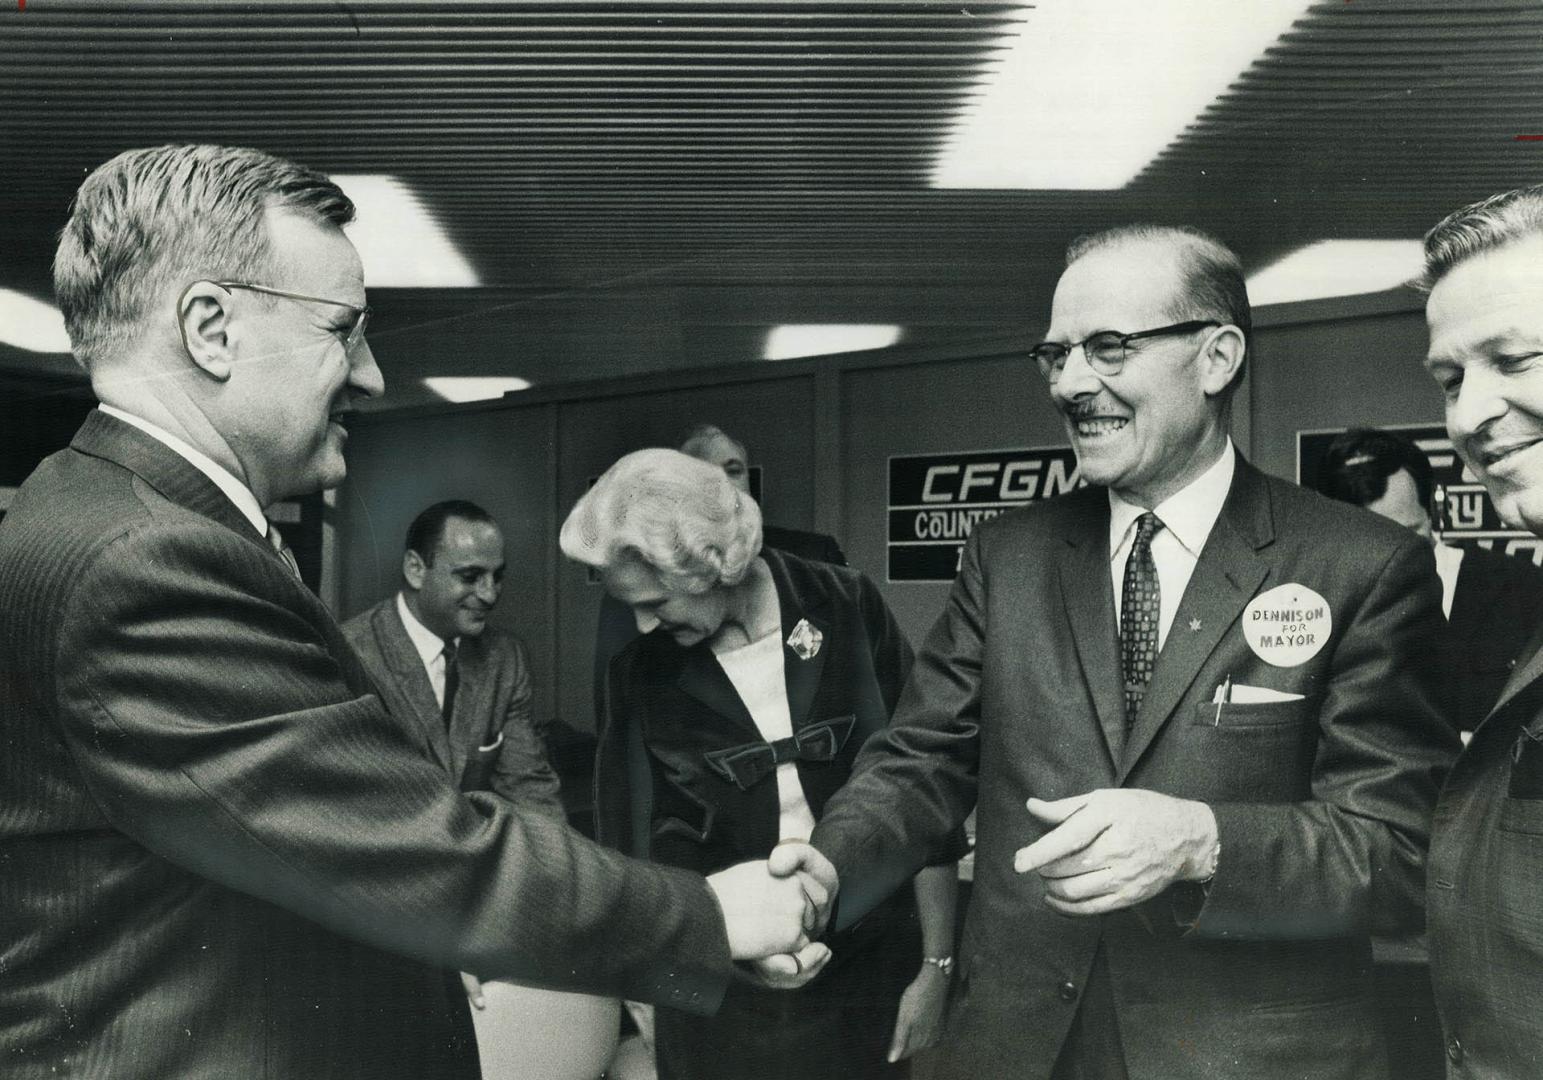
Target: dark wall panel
x: 1339, y: 373
x: 978, y: 404
x: 499, y: 459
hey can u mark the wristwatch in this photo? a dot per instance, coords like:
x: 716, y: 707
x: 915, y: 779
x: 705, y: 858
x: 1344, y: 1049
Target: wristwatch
x: 945, y: 964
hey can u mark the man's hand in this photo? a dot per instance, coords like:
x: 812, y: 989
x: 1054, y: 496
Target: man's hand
x: 788, y: 971
x: 1113, y: 848
x: 473, y: 987
x: 817, y: 874
x: 766, y: 914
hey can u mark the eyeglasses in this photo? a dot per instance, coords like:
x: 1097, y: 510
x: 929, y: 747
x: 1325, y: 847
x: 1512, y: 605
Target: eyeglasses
x: 350, y: 341
x: 1106, y: 350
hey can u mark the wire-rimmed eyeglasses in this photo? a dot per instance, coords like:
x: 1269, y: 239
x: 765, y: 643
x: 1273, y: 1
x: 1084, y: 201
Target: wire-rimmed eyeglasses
x: 351, y: 339
x: 1106, y: 350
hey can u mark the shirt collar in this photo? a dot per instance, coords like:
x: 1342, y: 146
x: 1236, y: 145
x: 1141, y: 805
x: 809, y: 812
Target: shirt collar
x: 427, y: 642
x: 1188, y: 514
x: 234, y: 489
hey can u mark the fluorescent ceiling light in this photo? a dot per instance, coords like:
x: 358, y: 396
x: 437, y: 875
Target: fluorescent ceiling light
x: 474, y: 387
x: 1091, y: 91
x: 31, y: 324
x: 398, y: 239
x: 1336, y: 268
x: 823, y: 339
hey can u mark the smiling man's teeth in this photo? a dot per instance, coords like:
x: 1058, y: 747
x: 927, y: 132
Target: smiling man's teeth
x: 1102, y: 425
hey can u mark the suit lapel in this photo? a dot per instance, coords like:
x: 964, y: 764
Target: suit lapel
x: 1088, y: 595
x: 1528, y: 670
x: 704, y: 679
x: 164, y: 469
x: 802, y: 677
x: 412, y: 678
x: 1227, y: 575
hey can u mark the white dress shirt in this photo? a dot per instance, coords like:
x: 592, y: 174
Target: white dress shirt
x: 430, y: 647
x: 757, y: 674
x: 1449, y: 560
x: 1187, y: 516
x: 234, y: 489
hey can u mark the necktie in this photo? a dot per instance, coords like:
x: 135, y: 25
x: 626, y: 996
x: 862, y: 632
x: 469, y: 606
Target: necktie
x: 452, y: 682
x: 1139, y: 604
x: 276, y: 539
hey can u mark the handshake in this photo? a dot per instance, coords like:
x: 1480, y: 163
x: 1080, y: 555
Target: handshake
x: 774, y: 909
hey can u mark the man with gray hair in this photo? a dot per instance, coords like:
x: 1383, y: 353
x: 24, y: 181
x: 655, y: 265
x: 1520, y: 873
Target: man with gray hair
x: 1484, y: 269
x: 1204, y: 743
x: 219, y: 855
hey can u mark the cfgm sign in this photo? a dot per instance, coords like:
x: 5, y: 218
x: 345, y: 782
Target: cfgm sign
x: 935, y: 500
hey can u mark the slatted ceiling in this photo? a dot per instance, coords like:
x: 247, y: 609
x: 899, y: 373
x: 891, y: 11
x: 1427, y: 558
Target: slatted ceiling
x: 740, y: 161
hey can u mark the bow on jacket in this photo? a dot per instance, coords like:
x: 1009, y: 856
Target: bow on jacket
x: 748, y: 764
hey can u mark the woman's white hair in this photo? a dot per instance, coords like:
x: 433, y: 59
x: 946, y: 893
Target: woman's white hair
x: 679, y: 517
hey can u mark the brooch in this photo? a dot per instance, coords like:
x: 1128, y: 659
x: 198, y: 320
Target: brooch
x: 805, y: 640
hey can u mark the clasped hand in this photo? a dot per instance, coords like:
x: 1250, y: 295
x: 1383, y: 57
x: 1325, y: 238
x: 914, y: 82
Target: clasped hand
x: 773, y: 910
x: 1113, y: 848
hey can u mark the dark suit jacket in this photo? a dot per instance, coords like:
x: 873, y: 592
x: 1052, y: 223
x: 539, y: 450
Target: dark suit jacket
x: 219, y: 855
x: 1485, y: 888
x: 493, y: 743
x: 1322, y: 803
x: 1497, y: 604
x: 617, y: 627
x: 656, y: 796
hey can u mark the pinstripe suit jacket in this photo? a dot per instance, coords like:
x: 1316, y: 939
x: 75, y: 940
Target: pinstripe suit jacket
x: 219, y: 855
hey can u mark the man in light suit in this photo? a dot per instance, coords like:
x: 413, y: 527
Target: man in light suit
x: 1204, y: 742
x: 1484, y: 265
x: 435, y: 659
x: 219, y: 855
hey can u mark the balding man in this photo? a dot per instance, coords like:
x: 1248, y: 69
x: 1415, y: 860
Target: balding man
x: 1205, y: 743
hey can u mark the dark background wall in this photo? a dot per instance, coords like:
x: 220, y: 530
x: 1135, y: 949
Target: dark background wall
x: 822, y: 432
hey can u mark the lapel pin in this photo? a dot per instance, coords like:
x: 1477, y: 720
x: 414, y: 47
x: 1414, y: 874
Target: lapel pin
x: 1194, y: 624
x: 805, y: 640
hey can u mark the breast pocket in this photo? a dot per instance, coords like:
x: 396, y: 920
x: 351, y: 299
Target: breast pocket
x: 1232, y: 716
x: 1255, y: 752
x: 478, y: 773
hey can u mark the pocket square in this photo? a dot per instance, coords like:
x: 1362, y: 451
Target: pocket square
x: 1243, y: 694
x: 494, y: 745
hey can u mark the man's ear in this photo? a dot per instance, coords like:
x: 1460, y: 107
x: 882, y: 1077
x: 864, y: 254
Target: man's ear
x: 413, y: 569
x: 1222, y: 359
x: 203, y: 316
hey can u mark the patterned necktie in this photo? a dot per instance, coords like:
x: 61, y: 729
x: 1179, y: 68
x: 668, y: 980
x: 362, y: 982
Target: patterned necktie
x: 276, y: 539
x: 452, y: 682
x: 1139, y: 605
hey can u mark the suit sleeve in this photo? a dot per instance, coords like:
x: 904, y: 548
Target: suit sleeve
x: 1351, y: 859
x: 523, y: 773
x: 893, y: 660
x: 208, y: 705
x: 913, y: 785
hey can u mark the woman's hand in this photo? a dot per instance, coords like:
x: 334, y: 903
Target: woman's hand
x: 919, y: 1023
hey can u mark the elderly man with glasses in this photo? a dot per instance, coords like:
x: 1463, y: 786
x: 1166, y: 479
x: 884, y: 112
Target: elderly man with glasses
x: 219, y: 855
x: 1199, y: 708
